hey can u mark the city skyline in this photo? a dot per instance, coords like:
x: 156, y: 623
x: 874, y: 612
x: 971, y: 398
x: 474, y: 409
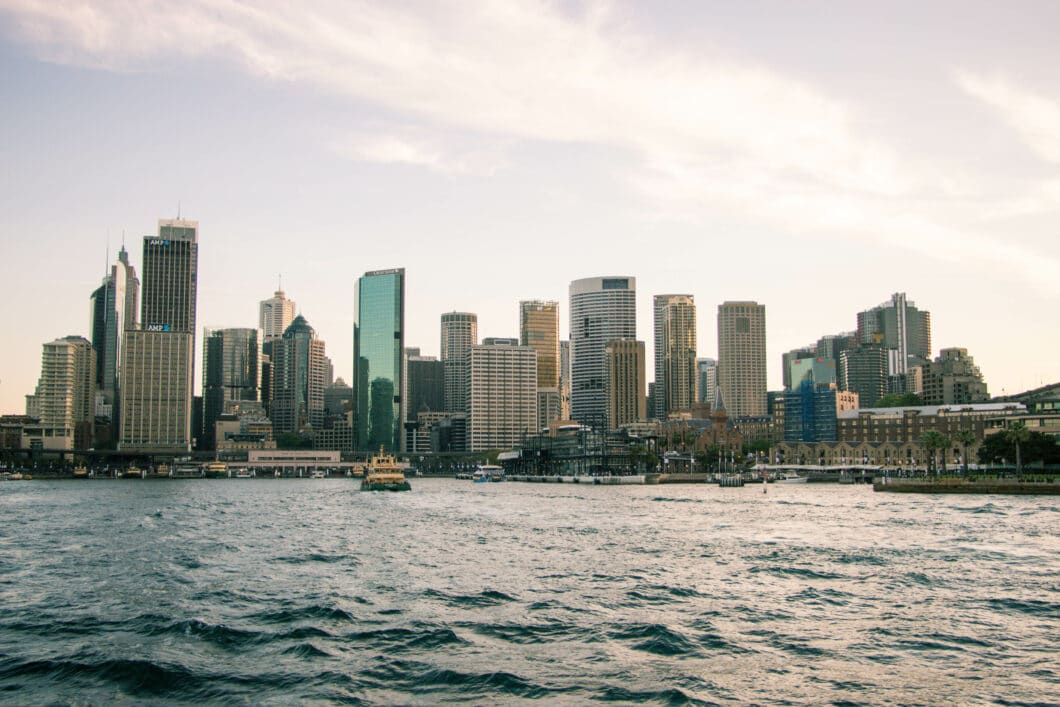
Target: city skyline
x: 296, y: 162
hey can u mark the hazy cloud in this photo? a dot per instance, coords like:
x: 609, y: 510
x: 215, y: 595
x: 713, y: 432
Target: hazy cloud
x: 1035, y: 118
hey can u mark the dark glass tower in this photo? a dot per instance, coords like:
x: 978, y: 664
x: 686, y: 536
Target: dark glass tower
x: 378, y: 343
x: 231, y: 370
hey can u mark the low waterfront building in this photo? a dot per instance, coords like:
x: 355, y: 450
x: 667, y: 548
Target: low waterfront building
x: 908, y: 424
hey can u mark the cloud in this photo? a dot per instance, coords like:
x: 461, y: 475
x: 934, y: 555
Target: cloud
x: 1035, y: 118
x: 468, y: 79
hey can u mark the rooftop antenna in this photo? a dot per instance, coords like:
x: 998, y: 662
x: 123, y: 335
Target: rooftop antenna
x: 178, y: 209
x: 279, y: 282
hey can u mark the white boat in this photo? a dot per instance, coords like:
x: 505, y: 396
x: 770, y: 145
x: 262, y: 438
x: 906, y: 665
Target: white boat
x: 791, y: 478
x: 318, y: 474
x: 488, y: 472
x: 244, y: 474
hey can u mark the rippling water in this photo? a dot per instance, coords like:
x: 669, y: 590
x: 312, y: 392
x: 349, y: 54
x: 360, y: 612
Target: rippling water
x: 270, y: 591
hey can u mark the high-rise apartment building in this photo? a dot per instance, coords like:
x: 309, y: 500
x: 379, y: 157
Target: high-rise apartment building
x: 66, y: 393
x: 459, y: 334
x: 742, y: 358
x: 707, y: 371
x: 231, y: 371
x: 502, y: 394
x: 601, y: 309
x: 626, y: 387
x: 900, y: 326
x: 864, y: 371
x: 299, y: 377
x: 675, y: 354
x: 953, y: 379
x: 378, y: 350
x: 158, y: 360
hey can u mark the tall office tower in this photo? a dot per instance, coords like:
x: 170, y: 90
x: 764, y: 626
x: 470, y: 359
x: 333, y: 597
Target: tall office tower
x: 800, y: 354
x: 742, y: 358
x: 564, y: 379
x: 275, y: 315
x: 426, y: 385
x: 378, y: 348
x: 66, y: 393
x: 601, y: 309
x: 898, y: 325
x: 459, y: 334
x: 675, y: 354
x: 626, y: 387
x: 299, y: 376
x: 502, y: 391
x: 707, y: 371
x: 158, y: 360
x: 113, y: 308
x: 539, y: 328
x: 864, y: 371
x: 231, y: 371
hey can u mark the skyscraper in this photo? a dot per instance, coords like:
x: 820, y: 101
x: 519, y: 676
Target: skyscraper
x: 564, y: 379
x: 742, y: 358
x: 158, y: 360
x: 626, y: 384
x: 864, y: 371
x: 675, y: 353
x: 378, y: 346
x: 601, y: 309
x: 900, y: 326
x: 502, y: 394
x: 539, y: 328
x: 299, y: 376
x: 459, y: 334
x: 275, y: 315
x: 113, y: 310
x: 66, y: 393
x: 231, y: 370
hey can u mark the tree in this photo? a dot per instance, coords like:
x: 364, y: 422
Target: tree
x: 932, y: 441
x: 965, y: 438
x: 897, y: 400
x: 1017, y: 433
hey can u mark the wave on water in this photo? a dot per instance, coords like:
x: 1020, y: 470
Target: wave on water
x: 489, y: 597
x: 1034, y: 607
x: 305, y: 613
x: 657, y: 639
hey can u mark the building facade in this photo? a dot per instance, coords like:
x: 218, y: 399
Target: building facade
x: 159, y: 387
x: 601, y: 309
x: 378, y: 349
x: 458, y: 334
x: 864, y: 371
x: 299, y: 376
x: 231, y: 370
x: 66, y: 393
x: 675, y: 354
x: 113, y: 307
x: 953, y: 379
x: 502, y: 395
x: 897, y: 325
x: 275, y: 315
x: 742, y: 358
x: 626, y: 384
x: 539, y: 329
x: 707, y: 373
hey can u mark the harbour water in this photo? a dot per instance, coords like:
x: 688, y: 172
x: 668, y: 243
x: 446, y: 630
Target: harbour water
x: 272, y: 592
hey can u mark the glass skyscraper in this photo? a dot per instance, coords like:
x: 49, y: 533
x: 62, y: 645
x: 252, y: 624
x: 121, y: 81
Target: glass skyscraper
x: 378, y: 343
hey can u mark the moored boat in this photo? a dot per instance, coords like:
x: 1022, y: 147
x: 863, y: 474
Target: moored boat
x: 80, y: 472
x: 384, y: 474
x: 133, y: 472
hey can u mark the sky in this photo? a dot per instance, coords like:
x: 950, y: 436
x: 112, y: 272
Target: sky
x: 815, y: 157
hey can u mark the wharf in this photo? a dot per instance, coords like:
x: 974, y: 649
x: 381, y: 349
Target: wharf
x: 1050, y: 487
